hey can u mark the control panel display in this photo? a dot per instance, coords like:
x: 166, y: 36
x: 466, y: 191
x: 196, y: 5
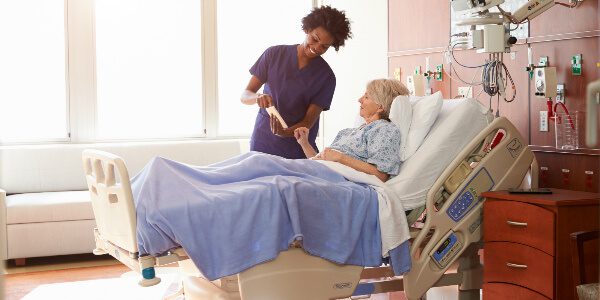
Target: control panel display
x: 469, y: 196
x: 446, y: 250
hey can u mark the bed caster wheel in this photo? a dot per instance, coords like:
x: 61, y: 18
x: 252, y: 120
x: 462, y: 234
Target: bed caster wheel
x: 149, y: 277
x: 149, y: 282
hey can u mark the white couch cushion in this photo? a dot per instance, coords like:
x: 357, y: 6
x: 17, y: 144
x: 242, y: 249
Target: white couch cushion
x: 53, y: 238
x: 55, y: 168
x: 48, y: 207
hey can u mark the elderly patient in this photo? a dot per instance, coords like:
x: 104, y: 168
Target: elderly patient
x: 372, y: 148
x: 243, y: 211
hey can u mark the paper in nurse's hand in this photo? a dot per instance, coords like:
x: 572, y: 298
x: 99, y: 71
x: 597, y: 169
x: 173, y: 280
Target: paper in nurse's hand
x: 273, y: 111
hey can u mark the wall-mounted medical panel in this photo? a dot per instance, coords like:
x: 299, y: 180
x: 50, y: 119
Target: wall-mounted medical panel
x: 516, y: 110
x: 418, y: 24
x: 559, y: 55
x: 409, y: 62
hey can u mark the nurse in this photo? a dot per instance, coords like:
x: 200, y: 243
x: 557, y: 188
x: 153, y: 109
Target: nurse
x: 298, y: 82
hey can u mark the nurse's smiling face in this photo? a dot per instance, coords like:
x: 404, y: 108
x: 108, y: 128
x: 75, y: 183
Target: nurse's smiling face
x: 317, y: 42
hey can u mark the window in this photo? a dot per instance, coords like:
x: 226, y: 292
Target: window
x: 84, y: 71
x: 33, y: 97
x: 149, y: 69
x: 244, y: 30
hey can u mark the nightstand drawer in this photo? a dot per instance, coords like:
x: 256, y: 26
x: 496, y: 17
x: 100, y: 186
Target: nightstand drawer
x: 519, y: 264
x: 510, y: 221
x: 503, y: 291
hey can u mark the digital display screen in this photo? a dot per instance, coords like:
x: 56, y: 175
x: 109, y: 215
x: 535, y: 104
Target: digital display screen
x: 443, y: 246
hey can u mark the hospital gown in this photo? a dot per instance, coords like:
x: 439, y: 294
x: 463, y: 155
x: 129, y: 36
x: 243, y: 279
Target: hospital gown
x: 377, y: 143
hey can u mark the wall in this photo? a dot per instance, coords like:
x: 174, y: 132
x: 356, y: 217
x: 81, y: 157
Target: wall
x: 362, y: 59
x: 420, y: 30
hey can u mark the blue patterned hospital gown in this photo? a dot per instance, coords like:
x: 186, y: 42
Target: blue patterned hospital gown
x: 377, y: 143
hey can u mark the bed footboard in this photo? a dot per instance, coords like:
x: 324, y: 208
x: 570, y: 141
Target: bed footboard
x: 114, y: 210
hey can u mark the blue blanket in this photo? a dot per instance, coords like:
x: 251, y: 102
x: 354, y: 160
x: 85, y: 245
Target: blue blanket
x: 243, y: 211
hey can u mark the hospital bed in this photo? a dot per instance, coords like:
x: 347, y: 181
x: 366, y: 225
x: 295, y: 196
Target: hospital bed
x: 466, y: 152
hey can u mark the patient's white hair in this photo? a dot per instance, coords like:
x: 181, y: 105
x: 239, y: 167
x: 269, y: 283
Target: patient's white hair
x: 384, y: 91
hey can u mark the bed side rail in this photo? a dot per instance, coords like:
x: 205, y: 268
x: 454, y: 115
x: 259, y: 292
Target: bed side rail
x: 454, y: 204
x: 110, y: 191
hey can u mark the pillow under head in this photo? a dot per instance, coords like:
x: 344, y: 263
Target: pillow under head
x: 401, y: 114
x: 425, y: 111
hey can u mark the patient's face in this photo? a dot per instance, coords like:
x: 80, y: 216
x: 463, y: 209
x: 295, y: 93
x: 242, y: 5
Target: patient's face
x: 368, y: 106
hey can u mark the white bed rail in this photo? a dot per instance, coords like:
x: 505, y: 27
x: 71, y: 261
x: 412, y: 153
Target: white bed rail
x: 502, y: 167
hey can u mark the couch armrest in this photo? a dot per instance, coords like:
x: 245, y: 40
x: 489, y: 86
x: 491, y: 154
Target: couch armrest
x: 3, y: 241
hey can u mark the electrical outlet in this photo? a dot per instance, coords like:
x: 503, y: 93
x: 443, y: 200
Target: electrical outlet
x: 560, y: 93
x: 397, y: 73
x: 543, y: 120
x: 465, y: 91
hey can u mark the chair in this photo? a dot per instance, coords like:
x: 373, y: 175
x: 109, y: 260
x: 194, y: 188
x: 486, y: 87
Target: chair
x: 585, y: 267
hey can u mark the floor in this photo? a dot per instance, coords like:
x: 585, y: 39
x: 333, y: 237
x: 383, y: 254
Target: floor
x: 20, y: 280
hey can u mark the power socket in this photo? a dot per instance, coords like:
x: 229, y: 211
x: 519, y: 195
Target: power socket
x: 543, y: 120
x: 465, y: 91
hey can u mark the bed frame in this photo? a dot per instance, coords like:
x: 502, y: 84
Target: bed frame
x: 451, y: 232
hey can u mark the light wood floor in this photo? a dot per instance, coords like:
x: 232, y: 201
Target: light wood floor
x: 20, y: 280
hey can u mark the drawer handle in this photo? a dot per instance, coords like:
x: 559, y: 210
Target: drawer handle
x: 516, y: 266
x: 513, y: 223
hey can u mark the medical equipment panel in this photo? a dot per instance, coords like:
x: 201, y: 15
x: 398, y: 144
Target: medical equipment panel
x: 470, y: 195
x: 446, y: 249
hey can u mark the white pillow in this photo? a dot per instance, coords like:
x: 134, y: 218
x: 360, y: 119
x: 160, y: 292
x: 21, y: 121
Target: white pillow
x: 424, y: 112
x: 401, y: 114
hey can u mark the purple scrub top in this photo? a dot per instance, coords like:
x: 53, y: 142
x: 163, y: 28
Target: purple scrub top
x: 292, y: 90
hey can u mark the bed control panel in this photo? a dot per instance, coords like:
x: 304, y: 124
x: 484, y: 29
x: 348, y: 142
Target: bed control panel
x: 470, y: 195
x: 446, y: 250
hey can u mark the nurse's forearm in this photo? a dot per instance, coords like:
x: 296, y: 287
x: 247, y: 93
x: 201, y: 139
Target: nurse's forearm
x: 311, y: 116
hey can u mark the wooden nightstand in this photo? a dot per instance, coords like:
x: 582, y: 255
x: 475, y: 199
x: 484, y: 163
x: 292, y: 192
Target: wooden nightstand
x: 526, y: 236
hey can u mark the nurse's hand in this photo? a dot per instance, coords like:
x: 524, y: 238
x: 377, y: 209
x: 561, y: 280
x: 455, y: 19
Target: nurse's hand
x: 264, y: 100
x: 278, y: 130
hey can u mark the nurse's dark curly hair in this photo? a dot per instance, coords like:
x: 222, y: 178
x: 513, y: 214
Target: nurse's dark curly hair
x: 332, y: 20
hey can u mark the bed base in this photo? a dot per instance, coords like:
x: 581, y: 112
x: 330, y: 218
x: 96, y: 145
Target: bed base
x: 451, y: 233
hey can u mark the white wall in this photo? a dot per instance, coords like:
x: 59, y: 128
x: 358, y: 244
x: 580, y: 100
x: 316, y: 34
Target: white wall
x: 362, y: 59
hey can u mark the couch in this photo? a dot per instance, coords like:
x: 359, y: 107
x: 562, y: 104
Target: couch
x: 45, y: 208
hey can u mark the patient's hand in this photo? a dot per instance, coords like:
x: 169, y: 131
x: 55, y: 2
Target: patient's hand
x: 329, y: 154
x: 301, y: 135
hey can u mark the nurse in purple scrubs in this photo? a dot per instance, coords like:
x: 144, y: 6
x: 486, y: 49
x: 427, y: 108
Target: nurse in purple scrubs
x: 298, y: 82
